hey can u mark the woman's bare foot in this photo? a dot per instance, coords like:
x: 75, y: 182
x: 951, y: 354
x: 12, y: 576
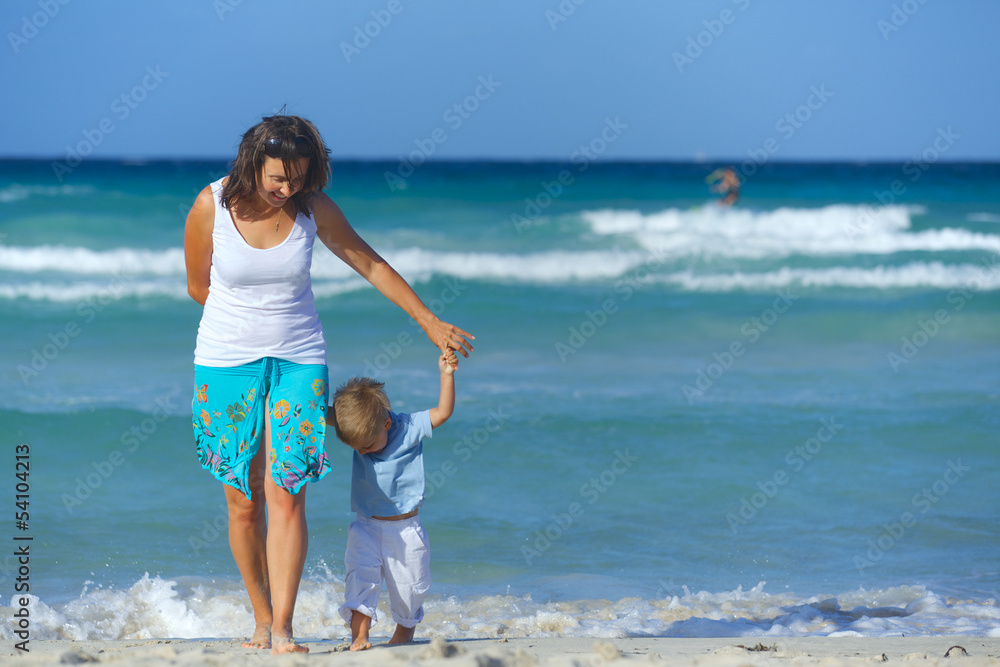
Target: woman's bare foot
x: 402, y: 635
x: 261, y: 638
x: 281, y: 645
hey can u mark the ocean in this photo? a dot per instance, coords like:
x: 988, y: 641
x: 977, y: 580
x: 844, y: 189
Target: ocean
x: 680, y: 419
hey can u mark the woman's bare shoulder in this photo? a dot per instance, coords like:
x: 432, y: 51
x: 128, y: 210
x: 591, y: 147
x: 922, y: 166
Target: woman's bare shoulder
x: 321, y: 202
x: 203, y: 209
x: 325, y: 210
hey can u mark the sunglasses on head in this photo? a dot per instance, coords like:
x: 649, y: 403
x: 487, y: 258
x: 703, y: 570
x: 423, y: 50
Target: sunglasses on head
x: 272, y: 147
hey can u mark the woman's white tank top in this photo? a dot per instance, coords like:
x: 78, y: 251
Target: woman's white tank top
x: 260, y: 302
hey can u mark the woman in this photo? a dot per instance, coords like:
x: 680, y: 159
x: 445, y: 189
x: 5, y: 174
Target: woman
x: 261, y: 385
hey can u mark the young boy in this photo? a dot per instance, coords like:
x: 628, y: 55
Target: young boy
x: 386, y: 539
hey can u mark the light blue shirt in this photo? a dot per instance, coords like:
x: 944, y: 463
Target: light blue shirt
x: 391, y: 482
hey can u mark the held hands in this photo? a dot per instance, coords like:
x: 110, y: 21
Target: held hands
x: 448, y: 363
x: 448, y: 337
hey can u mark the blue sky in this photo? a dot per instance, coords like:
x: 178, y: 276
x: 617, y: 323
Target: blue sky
x: 851, y: 80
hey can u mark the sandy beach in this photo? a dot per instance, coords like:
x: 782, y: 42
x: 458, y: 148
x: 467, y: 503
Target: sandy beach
x: 717, y: 652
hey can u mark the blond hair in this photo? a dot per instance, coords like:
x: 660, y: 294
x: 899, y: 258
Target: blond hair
x: 360, y: 407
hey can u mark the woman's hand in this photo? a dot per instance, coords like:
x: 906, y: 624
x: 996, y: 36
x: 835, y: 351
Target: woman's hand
x: 446, y: 337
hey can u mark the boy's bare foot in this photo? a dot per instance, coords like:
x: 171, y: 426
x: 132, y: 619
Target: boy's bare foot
x: 361, y: 644
x: 360, y: 626
x: 286, y: 645
x: 402, y: 635
x: 261, y: 638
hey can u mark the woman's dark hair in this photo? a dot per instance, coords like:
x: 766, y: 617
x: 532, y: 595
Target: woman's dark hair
x: 286, y: 137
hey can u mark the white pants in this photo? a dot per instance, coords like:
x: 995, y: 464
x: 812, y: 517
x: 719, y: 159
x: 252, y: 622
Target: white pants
x: 399, y: 553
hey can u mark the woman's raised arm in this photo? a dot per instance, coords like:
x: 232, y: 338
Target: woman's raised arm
x: 336, y: 233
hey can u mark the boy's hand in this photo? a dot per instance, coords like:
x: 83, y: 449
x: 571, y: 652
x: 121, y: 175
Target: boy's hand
x: 448, y: 362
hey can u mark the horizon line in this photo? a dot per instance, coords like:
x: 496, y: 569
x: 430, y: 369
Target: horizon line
x: 138, y: 160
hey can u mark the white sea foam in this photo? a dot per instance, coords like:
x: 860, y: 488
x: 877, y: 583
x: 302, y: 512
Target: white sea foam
x: 662, y: 244
x: 541, y: 268
x: 93, y: 291
x: 416, y: 263
x: 841, y: 229
x: 935, y: 275
x: 914, y: 275
x: 81, y: 273
x: 983, y: 217
x: 155, y: 607
x: 124, y: 261
x: 16, y: 192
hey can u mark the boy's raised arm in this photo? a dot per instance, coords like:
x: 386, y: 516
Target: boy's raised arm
x: 446, y: 402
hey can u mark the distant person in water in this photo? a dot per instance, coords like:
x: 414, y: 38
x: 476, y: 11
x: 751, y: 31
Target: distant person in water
x: 727, y: 183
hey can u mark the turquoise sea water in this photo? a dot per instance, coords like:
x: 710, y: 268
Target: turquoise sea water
x: 679, y: 419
